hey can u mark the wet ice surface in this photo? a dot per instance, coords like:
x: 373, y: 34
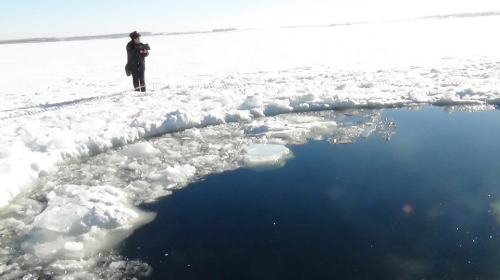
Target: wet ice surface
x: 72, y: 218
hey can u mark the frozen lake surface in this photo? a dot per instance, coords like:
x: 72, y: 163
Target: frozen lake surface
x: 80, y: 153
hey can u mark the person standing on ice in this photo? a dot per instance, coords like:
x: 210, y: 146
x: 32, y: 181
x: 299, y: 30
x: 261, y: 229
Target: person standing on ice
x: 136, y: 52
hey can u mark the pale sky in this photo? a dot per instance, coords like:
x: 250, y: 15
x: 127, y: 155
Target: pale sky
x: 62, y: 18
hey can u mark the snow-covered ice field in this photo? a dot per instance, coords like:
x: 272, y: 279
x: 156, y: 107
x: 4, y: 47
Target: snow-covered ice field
x: 73, y: 160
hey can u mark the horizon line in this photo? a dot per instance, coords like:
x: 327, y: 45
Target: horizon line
x: 150, y: 33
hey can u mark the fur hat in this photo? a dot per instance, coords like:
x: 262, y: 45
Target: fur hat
x: 134, y: 35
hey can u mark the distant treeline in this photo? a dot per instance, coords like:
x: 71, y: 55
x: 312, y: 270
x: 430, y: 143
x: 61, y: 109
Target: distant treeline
x: 76, y: 38
x: 462, y: 15
x: 223, y: 30
x: 108, y: 36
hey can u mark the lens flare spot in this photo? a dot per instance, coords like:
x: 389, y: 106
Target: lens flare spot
x: 407, y: 209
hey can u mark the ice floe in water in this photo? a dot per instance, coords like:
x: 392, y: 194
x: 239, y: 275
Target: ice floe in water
x: 73, y: 234
x: 140, y: 149
x: 266, y: 156
x: 82, y: 220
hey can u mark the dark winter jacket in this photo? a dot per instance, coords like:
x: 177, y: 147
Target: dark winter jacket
x: 135, y: 59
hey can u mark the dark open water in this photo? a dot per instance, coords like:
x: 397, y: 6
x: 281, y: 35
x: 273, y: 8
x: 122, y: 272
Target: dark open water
x: 421, y: 206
